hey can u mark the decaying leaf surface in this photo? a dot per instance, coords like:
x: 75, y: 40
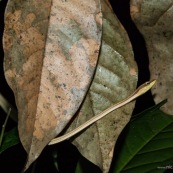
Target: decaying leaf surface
x: 51, y: 50
x: 154, y: 20
x: 115, y: 79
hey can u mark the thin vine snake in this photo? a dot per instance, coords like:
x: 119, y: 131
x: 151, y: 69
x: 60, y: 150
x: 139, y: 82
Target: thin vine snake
x: 138, y: 92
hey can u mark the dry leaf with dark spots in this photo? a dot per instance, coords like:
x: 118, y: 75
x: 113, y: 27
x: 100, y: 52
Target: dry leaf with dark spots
x: 51, y: 51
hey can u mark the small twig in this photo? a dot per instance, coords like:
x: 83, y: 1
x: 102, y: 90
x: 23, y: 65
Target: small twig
x: 34, y: 166
x: 4, y: 125
x: 5, y: 105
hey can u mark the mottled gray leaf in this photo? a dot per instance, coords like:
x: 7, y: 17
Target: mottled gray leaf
x: 154, y: 20
x: 115, y: 79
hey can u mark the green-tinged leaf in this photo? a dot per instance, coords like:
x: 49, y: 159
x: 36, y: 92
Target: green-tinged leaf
x: 10, y: 139
x: 148, y: 146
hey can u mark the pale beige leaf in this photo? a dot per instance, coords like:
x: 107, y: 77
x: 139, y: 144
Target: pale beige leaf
x: 51, y: 50
x: 154, y: 20
x: 115, y: 79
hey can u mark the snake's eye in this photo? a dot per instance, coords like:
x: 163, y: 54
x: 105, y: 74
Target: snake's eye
x: 147, y: 83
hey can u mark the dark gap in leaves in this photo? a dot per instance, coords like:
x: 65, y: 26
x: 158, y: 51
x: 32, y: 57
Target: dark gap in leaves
x: 169, y: 170
x: 122, y: 11
x: 13, y: 159
x: 67, y: 156
x: 118, y: 147
x: 46, y: 162
x: 88, y: 167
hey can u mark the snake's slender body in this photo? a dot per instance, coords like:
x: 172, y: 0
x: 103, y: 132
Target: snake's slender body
x: 138, y: 92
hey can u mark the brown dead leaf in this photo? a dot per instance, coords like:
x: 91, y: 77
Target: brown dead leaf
x: 154, y: 20
x: 51, y: 50
x: 115, y: 79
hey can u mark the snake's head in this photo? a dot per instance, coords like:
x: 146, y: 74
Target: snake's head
x: 145, y: 87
